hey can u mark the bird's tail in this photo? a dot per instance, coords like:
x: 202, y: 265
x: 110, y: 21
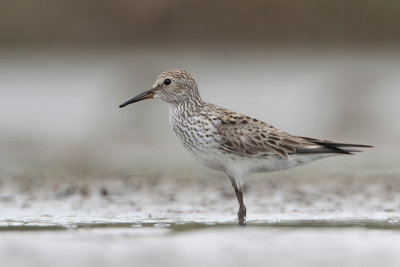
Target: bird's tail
x: 324, y: 146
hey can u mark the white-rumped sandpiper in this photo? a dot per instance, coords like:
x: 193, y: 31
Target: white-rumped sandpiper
x: 235, y: 144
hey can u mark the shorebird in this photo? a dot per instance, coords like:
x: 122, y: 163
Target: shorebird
x: 227, y: 141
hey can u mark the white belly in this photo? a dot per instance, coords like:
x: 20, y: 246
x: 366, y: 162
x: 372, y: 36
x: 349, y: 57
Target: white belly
x: 276, y: 163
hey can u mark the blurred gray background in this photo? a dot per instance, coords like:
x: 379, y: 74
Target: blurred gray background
x: 124, y: 190
x: 326, y: 69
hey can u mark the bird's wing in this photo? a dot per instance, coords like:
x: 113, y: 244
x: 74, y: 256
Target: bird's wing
x: 247, y: 136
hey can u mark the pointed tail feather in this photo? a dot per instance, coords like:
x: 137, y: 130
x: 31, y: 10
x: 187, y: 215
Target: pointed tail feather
x: 330, y: 147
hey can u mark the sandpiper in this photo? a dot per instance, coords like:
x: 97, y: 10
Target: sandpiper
x: 227, y: 141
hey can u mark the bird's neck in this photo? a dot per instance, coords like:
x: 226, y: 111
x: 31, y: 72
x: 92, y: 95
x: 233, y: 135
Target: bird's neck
x: 187, y: 106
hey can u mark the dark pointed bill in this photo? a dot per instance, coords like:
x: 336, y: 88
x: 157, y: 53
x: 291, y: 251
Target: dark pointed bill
x: 145, y: 95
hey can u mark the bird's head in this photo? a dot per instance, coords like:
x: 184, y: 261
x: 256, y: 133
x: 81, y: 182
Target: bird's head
x: 173, y: 86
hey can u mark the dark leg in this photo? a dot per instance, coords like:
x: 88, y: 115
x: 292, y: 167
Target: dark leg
x: 242, y: 207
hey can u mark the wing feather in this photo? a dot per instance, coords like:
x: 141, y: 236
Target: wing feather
x: 250, y: 137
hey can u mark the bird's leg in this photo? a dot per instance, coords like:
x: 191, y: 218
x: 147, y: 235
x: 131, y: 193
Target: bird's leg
x: 242, y: 207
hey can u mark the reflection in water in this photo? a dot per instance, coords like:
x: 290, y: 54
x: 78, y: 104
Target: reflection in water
x: 181, y: 226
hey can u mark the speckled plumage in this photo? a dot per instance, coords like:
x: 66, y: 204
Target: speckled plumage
x: 231, y: 142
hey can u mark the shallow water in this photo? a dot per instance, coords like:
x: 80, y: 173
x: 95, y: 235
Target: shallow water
x: 153, y: 221
x: 168, y: 243
x: 179, y: 226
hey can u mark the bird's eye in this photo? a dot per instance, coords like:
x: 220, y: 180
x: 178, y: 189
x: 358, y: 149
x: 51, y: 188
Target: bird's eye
x: 167, y: 81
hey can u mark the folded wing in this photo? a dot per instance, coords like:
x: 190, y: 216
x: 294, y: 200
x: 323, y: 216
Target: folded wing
x: 246, y: 136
